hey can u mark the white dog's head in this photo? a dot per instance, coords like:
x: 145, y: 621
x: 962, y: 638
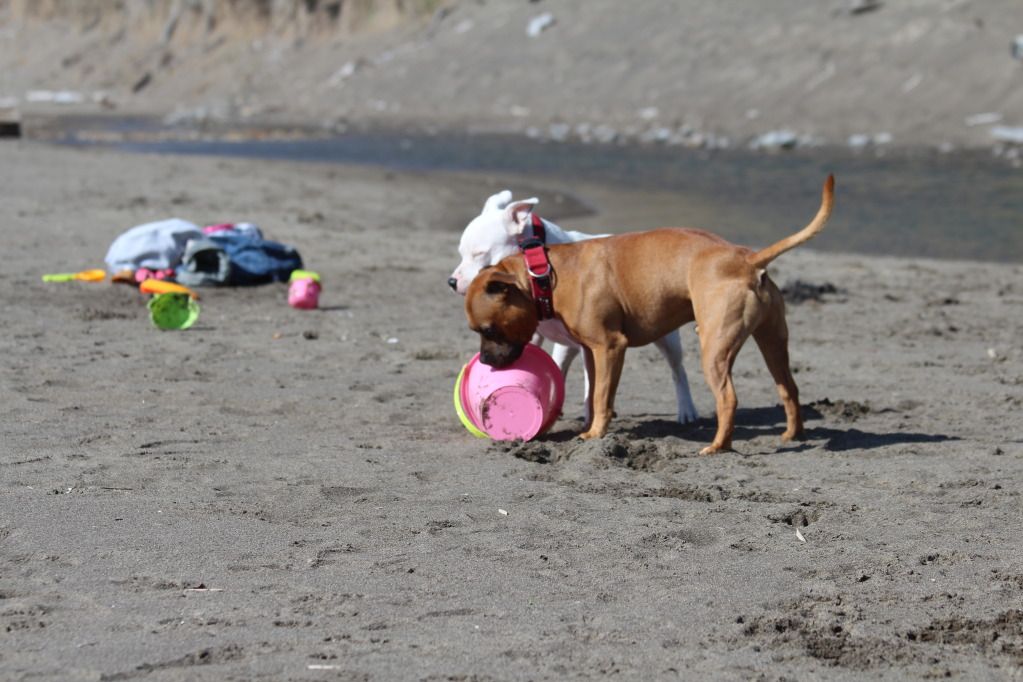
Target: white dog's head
x: 490, y: 237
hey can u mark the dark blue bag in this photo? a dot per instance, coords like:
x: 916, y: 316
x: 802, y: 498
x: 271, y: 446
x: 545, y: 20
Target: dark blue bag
x: 255, y: 260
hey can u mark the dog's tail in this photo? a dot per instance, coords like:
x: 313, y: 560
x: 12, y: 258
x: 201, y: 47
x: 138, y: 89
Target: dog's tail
x: 761, y: 258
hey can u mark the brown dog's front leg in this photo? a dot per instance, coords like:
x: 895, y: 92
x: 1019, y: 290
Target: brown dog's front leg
x: 607, y: 365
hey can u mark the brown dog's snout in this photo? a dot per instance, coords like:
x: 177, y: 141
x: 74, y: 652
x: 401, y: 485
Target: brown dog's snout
x: 453, y: 283
x: 500, y: 355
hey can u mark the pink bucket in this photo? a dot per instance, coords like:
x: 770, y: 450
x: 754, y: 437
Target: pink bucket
x: 520, y: 401
x: 304, y: 293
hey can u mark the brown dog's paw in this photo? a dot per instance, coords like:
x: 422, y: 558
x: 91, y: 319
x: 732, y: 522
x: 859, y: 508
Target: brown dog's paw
x: 592, y: 433
x: 714, y: 449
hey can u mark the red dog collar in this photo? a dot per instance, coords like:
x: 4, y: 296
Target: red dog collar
x: 539, y: 231
x: 534, y: 252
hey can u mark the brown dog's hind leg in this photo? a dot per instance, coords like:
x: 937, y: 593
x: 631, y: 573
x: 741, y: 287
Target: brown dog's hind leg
x: 724, y: 326
x: 773, y: 339
x: 717, y: 369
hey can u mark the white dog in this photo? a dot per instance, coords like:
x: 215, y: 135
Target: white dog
x: 495, y: 234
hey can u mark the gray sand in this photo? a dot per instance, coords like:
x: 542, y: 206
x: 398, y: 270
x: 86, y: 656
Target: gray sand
x: 309, y: 476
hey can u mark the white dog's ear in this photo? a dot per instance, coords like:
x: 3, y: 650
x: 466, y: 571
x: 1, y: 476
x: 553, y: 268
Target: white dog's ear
x: 517, y: 215
x: 497, y: 201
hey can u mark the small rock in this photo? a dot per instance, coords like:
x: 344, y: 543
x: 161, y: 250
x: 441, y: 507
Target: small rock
x: 798, y: 291
x: 1008, y: 134
x: 649, y: 113
x: 55, y: 97
x: 559, y: 131
x: 186, y: 116
x: 539, y: 24
x: 441, y: 14
x: 984, y: 119
x: 142, y: 82
x: 693, y: 139
x: 661, y: 135
x: 10, y: 128
x: 344, y: 73
x: 10, y: 122
x: 863, y: 6
x: 776, y: 139
x: 910, y: 84
x: 1017, y: 47
x: 605, y: 134
x: 859, y: 140
x: 724, y: 142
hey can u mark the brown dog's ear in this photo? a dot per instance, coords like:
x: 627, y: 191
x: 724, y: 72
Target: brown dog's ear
x: 495, y: 287
x: 499, y: 283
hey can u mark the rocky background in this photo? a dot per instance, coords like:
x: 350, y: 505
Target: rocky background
x: 920, y: 73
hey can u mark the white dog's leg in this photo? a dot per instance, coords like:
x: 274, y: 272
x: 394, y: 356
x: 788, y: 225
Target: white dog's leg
x: 588, y: 370
x: 587, y: 396
x: 670, y: 346
x: 563, y: 356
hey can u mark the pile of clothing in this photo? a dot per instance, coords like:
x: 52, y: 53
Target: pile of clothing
x: 229, y: 254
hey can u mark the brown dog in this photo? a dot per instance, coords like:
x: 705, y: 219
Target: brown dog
x: 631, y: 289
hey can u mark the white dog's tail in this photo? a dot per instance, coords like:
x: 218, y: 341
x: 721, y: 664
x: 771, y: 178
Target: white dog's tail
x: 761, y: 258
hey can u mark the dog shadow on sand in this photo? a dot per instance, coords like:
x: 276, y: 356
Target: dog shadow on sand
x: 758, y: 422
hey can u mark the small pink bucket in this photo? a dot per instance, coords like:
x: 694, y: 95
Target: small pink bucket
x: 521, y: 401
x: 304, y: 293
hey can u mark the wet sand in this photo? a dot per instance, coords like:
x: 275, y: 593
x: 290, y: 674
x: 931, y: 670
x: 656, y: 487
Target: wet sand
x: 909, y: 202
x: 284, y: 494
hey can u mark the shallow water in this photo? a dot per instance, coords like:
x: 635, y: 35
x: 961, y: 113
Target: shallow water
x: 962, y: 206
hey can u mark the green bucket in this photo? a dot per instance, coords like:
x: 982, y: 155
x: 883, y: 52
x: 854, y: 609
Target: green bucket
x: 173, y: 311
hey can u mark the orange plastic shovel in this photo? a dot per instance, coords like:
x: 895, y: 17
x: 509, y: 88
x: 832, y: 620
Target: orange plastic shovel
x: 159, y: 286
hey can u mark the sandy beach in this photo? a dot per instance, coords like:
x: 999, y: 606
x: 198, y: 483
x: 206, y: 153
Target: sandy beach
x: 278, y: 494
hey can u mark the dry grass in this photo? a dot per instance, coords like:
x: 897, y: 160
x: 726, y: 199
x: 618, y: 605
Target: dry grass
x: 182, y: 18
